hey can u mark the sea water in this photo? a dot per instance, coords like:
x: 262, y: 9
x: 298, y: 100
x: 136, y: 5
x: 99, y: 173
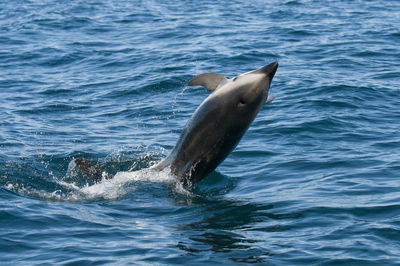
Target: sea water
x: 315, y: 180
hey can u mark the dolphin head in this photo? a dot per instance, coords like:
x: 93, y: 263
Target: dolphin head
x: 249, y: 91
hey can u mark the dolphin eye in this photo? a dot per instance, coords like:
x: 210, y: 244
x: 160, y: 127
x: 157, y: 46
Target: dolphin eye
x: 234, y: 78
x: 242, y: 102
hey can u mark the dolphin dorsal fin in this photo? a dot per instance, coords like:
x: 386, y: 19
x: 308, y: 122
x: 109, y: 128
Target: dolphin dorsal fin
x: 210, y: 81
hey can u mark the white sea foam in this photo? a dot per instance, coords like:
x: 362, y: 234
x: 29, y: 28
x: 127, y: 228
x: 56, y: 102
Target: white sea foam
x: 122, y: 184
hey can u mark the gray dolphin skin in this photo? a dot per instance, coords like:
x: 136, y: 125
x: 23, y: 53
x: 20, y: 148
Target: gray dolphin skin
x: 219, y: 123
x: 214, y: 129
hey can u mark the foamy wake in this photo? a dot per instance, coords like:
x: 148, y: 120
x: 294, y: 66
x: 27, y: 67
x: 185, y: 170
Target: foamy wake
x: 111, y: 189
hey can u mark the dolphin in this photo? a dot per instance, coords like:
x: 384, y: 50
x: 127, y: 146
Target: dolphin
x: 214, y: 129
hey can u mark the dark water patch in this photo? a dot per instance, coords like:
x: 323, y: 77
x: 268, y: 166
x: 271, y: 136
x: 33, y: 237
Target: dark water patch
x: 362, y: 213
x: 387, y: 75
x: 18, y: 84
x: 301, y: 33
x: 61, y: 60
x: 56, y: 92
x: 387, y: 144
x: 11, y: 41
x: 51, y: 108
x: 73, y: 22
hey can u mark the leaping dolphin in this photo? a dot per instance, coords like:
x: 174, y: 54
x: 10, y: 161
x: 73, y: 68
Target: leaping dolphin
x: 214, y: 129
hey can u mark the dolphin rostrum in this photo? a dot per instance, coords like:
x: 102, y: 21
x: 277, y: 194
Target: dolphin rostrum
x: 214, y: 129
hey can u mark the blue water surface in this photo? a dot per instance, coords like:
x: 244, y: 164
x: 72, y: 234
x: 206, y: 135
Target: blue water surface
x: 314, y: 181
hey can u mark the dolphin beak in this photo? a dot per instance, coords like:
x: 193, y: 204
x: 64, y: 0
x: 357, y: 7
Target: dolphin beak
x: 269, y: 70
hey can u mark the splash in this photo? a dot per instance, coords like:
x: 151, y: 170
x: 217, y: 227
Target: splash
x: 116, y: 188
x: 125, y: 182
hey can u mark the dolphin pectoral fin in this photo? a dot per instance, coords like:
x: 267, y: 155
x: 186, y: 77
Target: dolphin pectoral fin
x: 270, y: 98
x: 92, y: 170
x: 210, y: 81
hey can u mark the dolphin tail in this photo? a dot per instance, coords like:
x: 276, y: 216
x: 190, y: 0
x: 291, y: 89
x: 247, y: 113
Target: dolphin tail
x: 92, y: 170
